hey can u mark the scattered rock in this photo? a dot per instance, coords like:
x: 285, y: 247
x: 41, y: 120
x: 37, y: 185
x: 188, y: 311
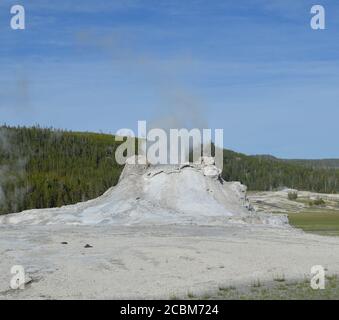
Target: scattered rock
x: 208, y: 161
x: 211, y: 171
x: 88, y: 246
x: 64, y: 242
x: 29, y: 280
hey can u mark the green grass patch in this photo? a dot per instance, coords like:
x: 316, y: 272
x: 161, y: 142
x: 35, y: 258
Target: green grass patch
x: 296, y: 290
x: 323, y: 222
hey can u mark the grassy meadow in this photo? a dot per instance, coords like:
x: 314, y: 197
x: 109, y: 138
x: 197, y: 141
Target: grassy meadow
x: 319, y: 221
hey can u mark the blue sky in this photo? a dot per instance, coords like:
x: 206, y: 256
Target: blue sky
x: 252, y: 67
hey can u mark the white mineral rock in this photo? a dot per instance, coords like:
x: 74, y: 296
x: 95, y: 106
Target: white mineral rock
x: 162, y: 194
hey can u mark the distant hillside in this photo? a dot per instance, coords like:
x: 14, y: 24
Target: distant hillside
x: 263, y: 172
x: 312, y: 163
x: 41, y: 168
x: 323, y: 163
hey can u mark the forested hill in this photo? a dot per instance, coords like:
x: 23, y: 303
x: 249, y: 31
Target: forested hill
x: 323, y: 163
x: 312, y: 163
x: 41, y: 168
x: 270, y: 173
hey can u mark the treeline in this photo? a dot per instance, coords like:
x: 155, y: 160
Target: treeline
x: 42, y: 168
x: 323, y: 163
x: 269, y: 173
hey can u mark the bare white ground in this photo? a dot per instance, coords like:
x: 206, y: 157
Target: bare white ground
x: 155, y: 261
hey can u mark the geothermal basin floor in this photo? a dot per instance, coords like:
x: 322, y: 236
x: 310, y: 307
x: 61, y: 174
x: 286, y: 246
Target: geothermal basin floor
x: 145, y: 262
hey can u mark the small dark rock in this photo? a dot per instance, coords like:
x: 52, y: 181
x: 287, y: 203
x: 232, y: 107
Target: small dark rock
x: 64, y: 242
x: 88, y: 246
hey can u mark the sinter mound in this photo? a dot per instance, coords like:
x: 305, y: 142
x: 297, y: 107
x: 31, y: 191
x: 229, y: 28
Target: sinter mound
x: 163, y: 194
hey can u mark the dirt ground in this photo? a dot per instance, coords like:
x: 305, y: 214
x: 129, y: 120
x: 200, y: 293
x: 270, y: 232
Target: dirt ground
x: 111, y: 262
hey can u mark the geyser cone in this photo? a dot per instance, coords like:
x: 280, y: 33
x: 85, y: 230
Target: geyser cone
x: 164, y: 194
